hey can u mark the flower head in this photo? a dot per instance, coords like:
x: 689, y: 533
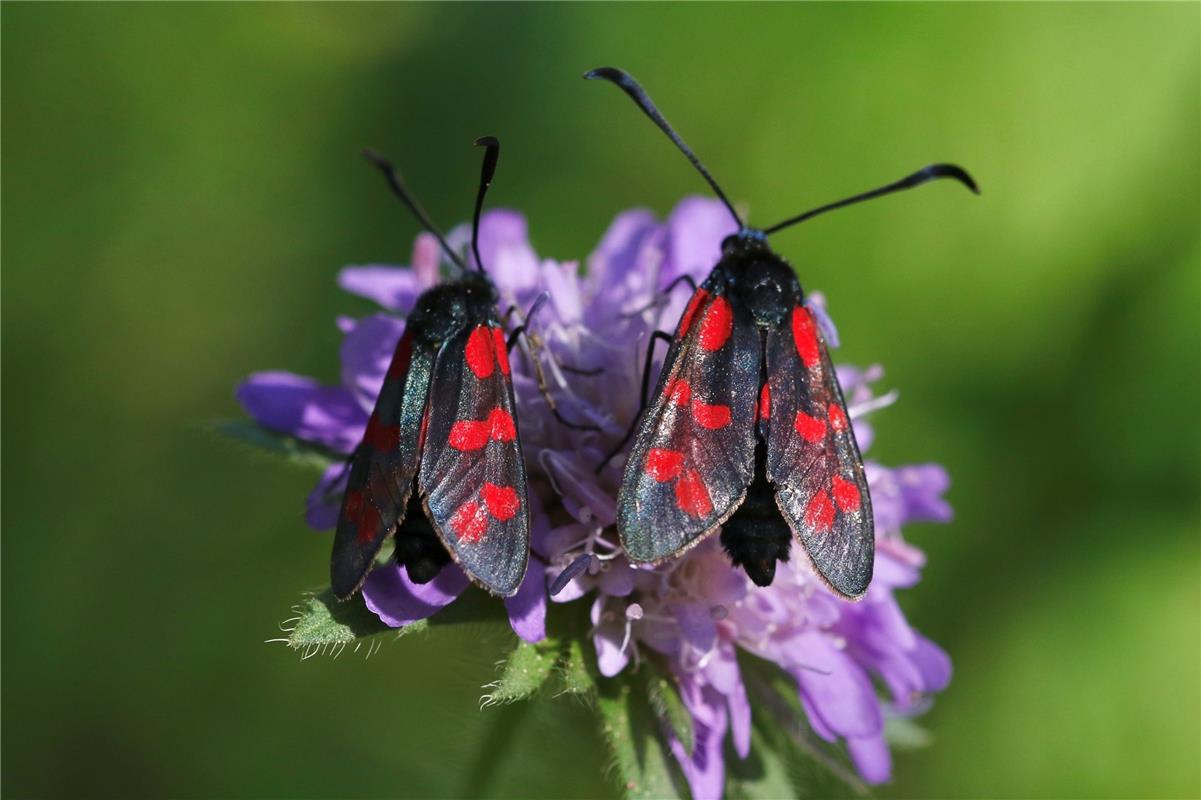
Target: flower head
x: 696, y: 612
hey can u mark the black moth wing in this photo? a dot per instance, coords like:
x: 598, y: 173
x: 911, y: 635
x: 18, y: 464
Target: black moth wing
x: 382, y: 467
x: 813, y: 459
x: 472, y: 476
x: 693, y: 454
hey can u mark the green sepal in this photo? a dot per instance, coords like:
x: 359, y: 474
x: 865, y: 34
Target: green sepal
x: 903, y: 733
x: 574, y: 671
x: 765, y: 773
x: 524, y: 672
x: 629, y: 727
x: 279, y: 445
x: 324, y: 625
x: 663, y: 693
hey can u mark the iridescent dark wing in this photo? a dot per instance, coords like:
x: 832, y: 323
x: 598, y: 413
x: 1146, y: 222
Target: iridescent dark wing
x: 472, y: 474
x: 812, y: 457
x: 693, y: 453
x: 382, y: 468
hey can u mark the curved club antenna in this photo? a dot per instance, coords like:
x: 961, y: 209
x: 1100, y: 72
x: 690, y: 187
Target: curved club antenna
x: 923, y: 175
x: 631, y: 87
x: 486, y: 172
x: 396, y: 183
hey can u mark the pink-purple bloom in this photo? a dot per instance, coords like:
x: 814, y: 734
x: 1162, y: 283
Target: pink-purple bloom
x: 696, y: 611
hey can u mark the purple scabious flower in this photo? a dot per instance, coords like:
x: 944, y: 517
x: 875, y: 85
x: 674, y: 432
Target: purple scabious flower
x: 697, y: 611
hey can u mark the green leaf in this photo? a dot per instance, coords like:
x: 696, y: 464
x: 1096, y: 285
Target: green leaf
x: 764, y: 774
x: 664, y: 696
x: 280, y: 445
x: 324, y: 625
x: 629, y: 727
x: 575, y: 675
x: 526, y: 669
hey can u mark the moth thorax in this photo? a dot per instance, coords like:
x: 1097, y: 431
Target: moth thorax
x: 769, y: 289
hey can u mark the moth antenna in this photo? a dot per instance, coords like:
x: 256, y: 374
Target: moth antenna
x: 396, y: 183
x: 639, y: 96
x: 491, y: 155
x: 923, y: 175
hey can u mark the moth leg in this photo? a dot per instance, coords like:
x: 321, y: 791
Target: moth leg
x: 662, y: 298
x: 646, y: 385
x: 535, y: 348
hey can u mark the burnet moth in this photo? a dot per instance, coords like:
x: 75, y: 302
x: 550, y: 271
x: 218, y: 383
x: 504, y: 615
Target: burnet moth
x: 440, y: 466
x: 748, y: 429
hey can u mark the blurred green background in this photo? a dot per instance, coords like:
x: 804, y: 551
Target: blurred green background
x: 181, y: 182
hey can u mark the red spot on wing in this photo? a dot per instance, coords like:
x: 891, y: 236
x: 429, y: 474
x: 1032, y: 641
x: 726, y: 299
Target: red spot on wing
x: 819, y: 514
x: 368, y: 524
x: 804, y: 335
x: 690, y: 312
x: 717, y: 324
x: 501, y: 426
x: 400, y: 359
x: 764, y: 411
x: 469, y: 523
x: 846, y: 494
x: 474, y: 434
x: 692, y: 496
x: 663, y: 465
x: 479, y: 352
x: 502, y: 501
x: 384, y: 438
x: 838, y: 417
x: 471, y: 434
x: 679, y: 391
x: 710, y: 417
x: 468, y: 434
x: 502, y: 350
x: 810, y: 428
x: 359, y: 510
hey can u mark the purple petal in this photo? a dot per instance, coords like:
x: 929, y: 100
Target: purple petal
x: 890, y: 571
x: 725, y: 677
x: 871, y: 757
x: 696, y: 228
x: 398, y: 601
x: 323, y: 503
x: 621, y: 248
x: 881, y: 624
x: 617, y: 578
x: 607, y: 637
x: 366, y: 354
x: 705, y: 769
x: 696, y: 623
x: 394, y: 288
x: 326, y: 415
x: 836, y: 687
x: 527, y: 608
x: 724, y: 585
x: 505, y: 248
x: 933, y: 662
x: 815, y: 721
x: 562, y: 282
x: 817, y: 304
x: 923, y: 486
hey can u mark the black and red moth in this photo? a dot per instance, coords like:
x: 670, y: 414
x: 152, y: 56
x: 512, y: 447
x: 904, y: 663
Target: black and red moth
x: 440, y: 465
x: 748, y: 429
